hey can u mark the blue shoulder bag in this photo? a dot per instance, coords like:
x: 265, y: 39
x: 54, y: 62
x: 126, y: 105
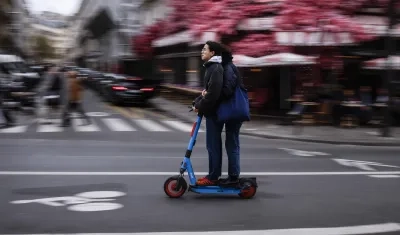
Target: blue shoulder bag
x: 237, y: 107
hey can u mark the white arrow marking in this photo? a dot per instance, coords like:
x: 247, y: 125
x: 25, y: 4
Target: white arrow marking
x: 302, y: 153
x: 350, y: 230
x: 361, y: 164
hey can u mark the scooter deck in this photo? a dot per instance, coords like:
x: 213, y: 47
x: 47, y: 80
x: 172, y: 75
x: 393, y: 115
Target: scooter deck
x: 220, y: 184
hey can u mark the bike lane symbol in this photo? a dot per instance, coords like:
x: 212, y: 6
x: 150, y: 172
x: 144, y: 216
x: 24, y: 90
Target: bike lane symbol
x: 82, y: 202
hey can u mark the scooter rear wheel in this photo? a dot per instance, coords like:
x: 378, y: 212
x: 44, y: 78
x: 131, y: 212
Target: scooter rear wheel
x: 170, y: 185
x: 249, y: 189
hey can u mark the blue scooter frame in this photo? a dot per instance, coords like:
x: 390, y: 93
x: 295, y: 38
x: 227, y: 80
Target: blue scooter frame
x: 176, y: 186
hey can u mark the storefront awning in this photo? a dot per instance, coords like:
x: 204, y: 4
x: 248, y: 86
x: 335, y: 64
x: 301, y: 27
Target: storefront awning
x: 184, y: 37
x: 293, y: 38
x: 206, y: 36
x: 280, y: 59
x: 376, y: 25
x: 262, y: 23
x: 378, y: 64
x: 181, y: 37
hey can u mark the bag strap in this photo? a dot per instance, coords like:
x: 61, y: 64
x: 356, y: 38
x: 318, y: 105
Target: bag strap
x: 239, y: 80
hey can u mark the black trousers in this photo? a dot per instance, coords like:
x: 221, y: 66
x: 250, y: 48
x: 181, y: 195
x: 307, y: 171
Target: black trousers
x: 7, y: 115
x: 73, y: 106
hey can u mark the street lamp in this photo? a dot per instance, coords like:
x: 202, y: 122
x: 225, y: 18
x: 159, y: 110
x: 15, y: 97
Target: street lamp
x: 390, y: 47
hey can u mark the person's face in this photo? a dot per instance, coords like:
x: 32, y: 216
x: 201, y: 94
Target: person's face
x: 206, y: 54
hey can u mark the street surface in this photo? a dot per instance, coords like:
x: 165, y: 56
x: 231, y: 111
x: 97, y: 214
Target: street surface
x: 110, y: 181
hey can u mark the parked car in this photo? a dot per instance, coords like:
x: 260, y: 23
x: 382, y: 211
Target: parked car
x: 17, y: 68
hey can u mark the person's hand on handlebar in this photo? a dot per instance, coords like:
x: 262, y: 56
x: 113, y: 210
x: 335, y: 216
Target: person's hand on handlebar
x: 204, y: 92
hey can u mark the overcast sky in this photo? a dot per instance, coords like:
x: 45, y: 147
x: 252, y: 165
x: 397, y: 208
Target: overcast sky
x: 65, y: 7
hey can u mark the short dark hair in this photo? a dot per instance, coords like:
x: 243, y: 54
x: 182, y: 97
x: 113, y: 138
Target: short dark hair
x: 215, y: 46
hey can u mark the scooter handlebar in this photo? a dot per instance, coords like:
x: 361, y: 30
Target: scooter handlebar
x: 191, y: 107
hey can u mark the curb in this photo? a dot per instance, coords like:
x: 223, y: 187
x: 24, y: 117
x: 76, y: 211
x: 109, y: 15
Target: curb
x: 292, y: 138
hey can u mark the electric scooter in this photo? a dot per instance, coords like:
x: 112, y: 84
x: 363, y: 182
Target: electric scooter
x: 176, y: 186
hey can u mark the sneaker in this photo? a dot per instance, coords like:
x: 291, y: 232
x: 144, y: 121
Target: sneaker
x: 230, y: 180
x: 205, y: 181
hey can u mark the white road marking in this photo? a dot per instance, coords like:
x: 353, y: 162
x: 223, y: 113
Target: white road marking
x: 363, y: 165
x: 384, y: 176
x: 348, y: 230
x: 302, y: 153
x: 150, y: 125
x: 116, y: 124
x: 79, y: 126
x: 53, y: 127
x: 180, y: 125
x: 15, y: 129
x: 128, y: 173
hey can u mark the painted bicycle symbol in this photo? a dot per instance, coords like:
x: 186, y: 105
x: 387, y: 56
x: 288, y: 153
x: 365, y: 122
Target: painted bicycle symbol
x: 83, y: 202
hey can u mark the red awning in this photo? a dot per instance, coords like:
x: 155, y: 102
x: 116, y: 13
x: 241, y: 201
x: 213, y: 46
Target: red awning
x: 184, y: 37
x: 279, y: 59
x: 177, y: 38
x: 380, y: 63
x: 293, y: 38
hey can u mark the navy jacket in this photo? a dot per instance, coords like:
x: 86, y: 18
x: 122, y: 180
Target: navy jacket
x: 231, y: 79
x: 213, y: 82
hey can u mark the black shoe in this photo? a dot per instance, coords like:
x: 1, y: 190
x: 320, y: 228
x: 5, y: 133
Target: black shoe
x: 230, y: 180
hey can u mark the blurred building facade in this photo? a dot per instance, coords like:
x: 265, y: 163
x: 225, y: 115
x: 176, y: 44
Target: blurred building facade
x: 54, y: 27
x: 15, y: 28
x: 102, y: 33
x: 280, y: 47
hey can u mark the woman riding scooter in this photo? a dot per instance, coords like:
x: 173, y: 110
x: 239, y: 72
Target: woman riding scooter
x: 221, y: 87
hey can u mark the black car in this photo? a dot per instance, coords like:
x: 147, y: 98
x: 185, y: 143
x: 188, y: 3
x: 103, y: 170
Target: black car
x: 122, y: 89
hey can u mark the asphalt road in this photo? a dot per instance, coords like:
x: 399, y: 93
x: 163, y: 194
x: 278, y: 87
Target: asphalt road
x: 301, y: 185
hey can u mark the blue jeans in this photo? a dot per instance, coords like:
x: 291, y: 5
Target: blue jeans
x: 214, y: 147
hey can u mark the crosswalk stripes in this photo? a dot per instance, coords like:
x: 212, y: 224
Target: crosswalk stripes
x: 150, y: 125
x: 52, y: 126
x: 79, y: 126
x: 116, y: 124
x: 103, y: 124
x: 15, y: 129
x: 180, y: 125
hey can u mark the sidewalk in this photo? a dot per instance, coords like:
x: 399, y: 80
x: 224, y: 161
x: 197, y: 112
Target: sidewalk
x: 316, y: 134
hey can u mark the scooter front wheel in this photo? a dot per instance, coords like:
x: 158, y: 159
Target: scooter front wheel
x: 170, y: 186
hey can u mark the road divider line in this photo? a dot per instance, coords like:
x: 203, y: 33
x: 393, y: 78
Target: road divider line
x: 150, y: 173
x: 348, y: 230
x: 384, y: 176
